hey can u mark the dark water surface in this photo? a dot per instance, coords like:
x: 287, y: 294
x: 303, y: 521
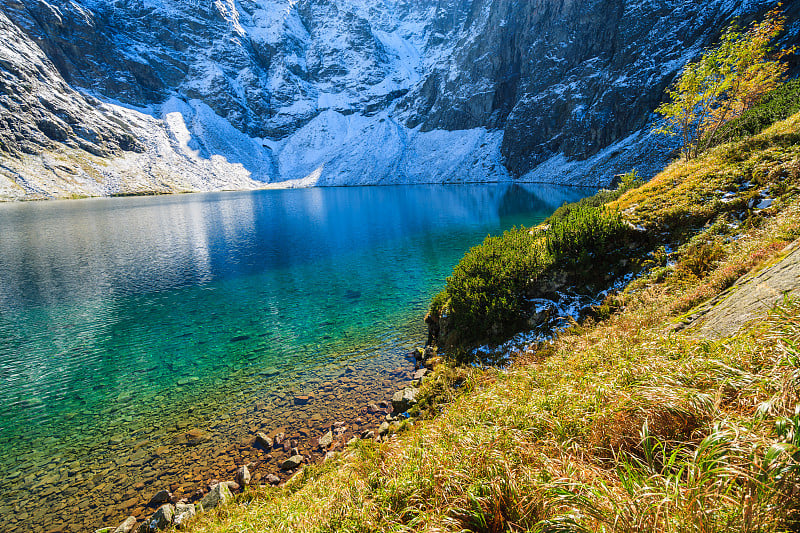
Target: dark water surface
x: 126, y: 323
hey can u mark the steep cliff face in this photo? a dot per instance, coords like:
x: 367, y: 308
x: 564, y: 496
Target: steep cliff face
x: 349, y: 91
x: 39, y: 109
x: 566, y: 76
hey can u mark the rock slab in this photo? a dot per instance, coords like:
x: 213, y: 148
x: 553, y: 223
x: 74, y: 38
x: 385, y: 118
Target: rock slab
x: 752, y: 296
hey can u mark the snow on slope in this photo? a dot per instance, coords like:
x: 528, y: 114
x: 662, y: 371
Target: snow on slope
x: 337, y: 149
x: 248, y: 93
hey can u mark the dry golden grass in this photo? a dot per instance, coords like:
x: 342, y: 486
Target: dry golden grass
x: 623, y: 425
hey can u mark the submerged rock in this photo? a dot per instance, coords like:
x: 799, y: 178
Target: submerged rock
x: 159, y: 497
x: 292, y: 462
x: 263, y: 440
x: 303, y: 399
x: 195, y: 436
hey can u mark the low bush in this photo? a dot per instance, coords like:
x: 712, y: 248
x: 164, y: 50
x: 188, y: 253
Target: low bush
x: 628, y: 181
x: 585, y: 235
x: 486, y: 298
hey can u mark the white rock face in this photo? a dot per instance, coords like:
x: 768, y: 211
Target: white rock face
x: 123, y: 96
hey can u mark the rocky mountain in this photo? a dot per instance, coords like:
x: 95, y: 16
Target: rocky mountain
x: 126, y: 96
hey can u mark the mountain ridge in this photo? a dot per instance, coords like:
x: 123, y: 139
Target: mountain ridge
x: 237, y: 94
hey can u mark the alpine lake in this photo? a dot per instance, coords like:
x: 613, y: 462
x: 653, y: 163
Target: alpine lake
x: 145, y: 340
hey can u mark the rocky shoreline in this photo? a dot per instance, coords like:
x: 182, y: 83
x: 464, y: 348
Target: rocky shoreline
x: 275, y: 455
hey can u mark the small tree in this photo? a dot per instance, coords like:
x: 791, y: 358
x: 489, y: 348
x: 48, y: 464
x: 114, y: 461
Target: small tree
x: 722, y: 84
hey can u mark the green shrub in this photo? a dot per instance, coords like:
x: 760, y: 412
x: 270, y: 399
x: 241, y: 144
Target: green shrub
x: 699, y: 258
x: 778, y: 104
x: 486, y: 298
x: 486, y: 293
x: 585, y: 235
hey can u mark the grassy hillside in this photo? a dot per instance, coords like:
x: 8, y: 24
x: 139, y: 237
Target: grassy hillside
x: 628, y: 422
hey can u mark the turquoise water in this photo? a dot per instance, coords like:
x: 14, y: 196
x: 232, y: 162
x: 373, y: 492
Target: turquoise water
x: 111, y: 309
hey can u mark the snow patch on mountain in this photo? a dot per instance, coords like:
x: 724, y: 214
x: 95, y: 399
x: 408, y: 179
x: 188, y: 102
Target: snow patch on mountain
x: 642, y: 151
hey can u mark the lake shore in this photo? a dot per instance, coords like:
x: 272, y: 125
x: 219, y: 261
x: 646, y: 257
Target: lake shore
x: 191, y: 457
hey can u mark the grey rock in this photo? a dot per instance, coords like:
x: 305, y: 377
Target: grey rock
x: 421, y: 373
x: 383, y: 428
x: 233, y: 486
x: 162, y: 518
x: 185, y: 512
x: 292, y: 462
x: 404, y: 399
x: 127, y: 525
x: 272, y: 479
x: 326, y: 439
x: 751, y: 296
x: 243, y: 476
x: 219, y: 494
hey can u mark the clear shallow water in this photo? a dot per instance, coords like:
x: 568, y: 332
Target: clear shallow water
x: 119, y: 316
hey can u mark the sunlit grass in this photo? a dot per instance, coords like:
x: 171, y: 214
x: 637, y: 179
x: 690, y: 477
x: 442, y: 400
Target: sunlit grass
x: 620, y: 425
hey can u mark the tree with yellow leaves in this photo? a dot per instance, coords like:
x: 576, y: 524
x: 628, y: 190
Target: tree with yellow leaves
x: 725, y: 82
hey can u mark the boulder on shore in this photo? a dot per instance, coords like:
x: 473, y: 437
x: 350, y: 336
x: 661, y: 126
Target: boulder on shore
x: 326, y: 439
x: 404, y: 399
x: 126, y: 526
x: 162, y: 518
x: 185, y: 512
x: 219, y: 493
